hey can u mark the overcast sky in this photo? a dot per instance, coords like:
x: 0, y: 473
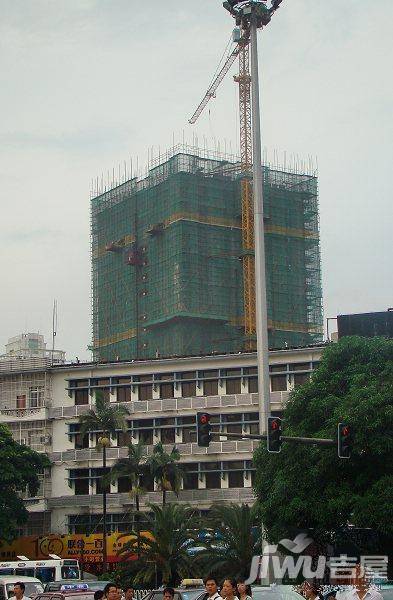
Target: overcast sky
x: 87, y: 84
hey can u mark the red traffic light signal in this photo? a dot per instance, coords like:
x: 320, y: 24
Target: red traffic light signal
x: 274, y: 431
x: 344, y: 440
x: 203, y: 429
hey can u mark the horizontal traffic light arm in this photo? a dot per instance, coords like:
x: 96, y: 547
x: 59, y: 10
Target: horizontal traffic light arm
x: 284, y: 438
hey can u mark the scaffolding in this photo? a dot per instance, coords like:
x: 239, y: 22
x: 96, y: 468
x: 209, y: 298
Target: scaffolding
x: 167, y: 255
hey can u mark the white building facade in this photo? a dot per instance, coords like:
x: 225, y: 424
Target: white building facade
x: 163, y: 397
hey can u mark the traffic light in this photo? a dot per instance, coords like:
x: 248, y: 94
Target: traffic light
x: 274, y: 431
x: 344, y: 440
x: 203, y: 429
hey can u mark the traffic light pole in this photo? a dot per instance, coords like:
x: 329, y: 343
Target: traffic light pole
x: 284, y: 438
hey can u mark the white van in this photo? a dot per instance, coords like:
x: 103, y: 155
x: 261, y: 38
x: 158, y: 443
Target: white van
x: 7, y: 582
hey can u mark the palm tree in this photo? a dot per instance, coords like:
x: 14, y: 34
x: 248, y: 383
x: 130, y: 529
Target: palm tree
x: 167, y: 538
x: 132, y: 468
x: 106, y: 419
x: 165, y: 470
x: 237, y: 538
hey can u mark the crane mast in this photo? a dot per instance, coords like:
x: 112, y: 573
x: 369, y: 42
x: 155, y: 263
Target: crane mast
x: 244, y: 81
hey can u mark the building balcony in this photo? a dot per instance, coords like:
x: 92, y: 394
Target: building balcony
x: 191, y: 449
x: 198, y: 498
x: 39, y: 413
x: 178, y: 405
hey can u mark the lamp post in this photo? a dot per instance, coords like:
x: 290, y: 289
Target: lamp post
x: 104, y: 442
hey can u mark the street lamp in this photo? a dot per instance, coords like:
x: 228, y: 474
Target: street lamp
x: 104, y: 442
x: 253, y: 15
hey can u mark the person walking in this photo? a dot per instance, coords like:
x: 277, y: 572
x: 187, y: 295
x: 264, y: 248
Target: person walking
x: 211, y: 586
x: 168, y: 593
x: 229, y: 589
x: 19, y: 591
x: 243, y: 590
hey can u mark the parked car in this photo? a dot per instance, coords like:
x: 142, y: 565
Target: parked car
x: 74, y: 593
x: 54, y: 586
x: 190, y: 589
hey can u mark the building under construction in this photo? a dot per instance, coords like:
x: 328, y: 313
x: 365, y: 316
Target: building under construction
x: 168, y: 259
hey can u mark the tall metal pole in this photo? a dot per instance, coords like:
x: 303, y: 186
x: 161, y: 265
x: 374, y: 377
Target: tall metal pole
x: 104, y: 524
x: 259, y: 236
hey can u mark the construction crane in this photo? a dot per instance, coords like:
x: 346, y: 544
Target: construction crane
x: 241, y: 37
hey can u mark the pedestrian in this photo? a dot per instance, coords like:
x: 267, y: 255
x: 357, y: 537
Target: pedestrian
x: 362, y: 590
x: 98, y: 594
x: 111, y: 592
x: 229, y: 589
x: 211, y: 586
x: 168, y: 593
x: 19, y: 591
x: 311, y: 590
x: 243, y: 590
x: 128, y: 593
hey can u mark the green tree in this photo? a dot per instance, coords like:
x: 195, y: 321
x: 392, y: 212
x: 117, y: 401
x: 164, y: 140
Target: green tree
x: 106, y: 419
x: 169, y: 533
x: 19, y: 469
x: 132, y: 468
x: 237, y: 538
x: 309, y: 487
x: 165, y: 470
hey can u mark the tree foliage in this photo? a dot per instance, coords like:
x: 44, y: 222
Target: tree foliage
x: 167, y: 535
x: 19, y: 470
x: 165, y: 470
x: 309, y: 487
x: 132, y: 467
x: 104, y: 417
x: 237, y: 538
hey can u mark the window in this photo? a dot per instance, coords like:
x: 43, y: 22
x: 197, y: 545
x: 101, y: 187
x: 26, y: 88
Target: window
x: 21, y: 401
x: 145, y: 391
x: 253, y: 385
x: 253, y: 420
x: 234, y: 383
x: 145, y: 428
x: 300, y: 378
x: 166, y: 389
x: 190, y: 476
x: 105, y: 393
x: 79, y: 383
x: 81, y: 397
x: 93, y: 523
x: 79, y: 478
x: 123, y: 438
x: 188, y: 388
x: 212, y: 472
x: 188, y: 429
x: 36, y: 397
x: 123, y: 485
x: 300, y: 366
x: 229, y: 419
x: 101, y: 483
x: 81, y: 441
x: 124, y: 394
x: 278, y: 368
x: 81, y: 487
x: 235, y: 473
x: 210, y: 384
x: 233, y: 386
x: 167, y: 431
x: 278, y: 383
